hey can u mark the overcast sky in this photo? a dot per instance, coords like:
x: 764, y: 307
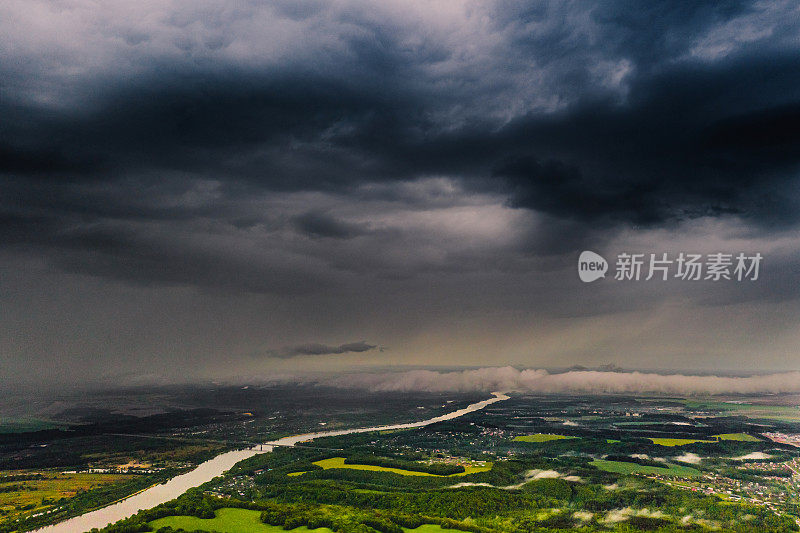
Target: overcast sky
x: 215, y: 189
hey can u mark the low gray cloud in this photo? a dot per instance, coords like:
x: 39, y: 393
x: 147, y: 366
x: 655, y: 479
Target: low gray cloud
x: 321, y: 349
x: 581, y: 381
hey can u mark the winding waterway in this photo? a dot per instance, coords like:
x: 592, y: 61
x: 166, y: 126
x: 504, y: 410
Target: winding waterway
x: 208, y: 470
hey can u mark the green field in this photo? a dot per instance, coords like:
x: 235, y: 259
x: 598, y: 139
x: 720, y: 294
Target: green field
x: 541, y: 437
x: 743, y: 437
x: 676, y: 442
x: 229, y: 520
x: 622, y: 467
x: 338, y: 462
x: 53, y: 487
x: 430, y: 528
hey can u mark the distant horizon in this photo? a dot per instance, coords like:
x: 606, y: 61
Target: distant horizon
x: 420, y: 378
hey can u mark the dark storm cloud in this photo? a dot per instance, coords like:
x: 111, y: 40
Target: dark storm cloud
x: 241, y: 126
x: 323, y: 225
x: 183, y: 181
x: 321, y: 349
x: 606, y: 115
x: 710, y: 144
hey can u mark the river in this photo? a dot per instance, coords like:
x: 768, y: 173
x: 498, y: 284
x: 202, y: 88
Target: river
x: 220, y: 464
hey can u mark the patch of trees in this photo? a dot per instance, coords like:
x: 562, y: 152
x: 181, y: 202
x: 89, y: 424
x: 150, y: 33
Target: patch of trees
x: 477, y: 510
x: 280, y: 460
x: 552, y: 489
x: 754, y: 475
x: 275, y: 480
x: 348, y: 520
x: 342, y: 519
x: 767, y: 473
x: 77, y: 452
x: 457, y: 504
x: 647, y: 523
x: 386, y: 503
x: 120, y: 424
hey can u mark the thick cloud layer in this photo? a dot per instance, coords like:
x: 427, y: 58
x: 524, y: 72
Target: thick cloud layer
x: 413, y: 173
x: 122, y: 117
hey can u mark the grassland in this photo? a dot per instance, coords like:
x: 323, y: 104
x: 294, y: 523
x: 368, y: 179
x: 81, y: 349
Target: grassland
x: 541, y: 437
x: 338, y: 462
x: 622, y: 467
x: 39, y: 494
x: 429, y: 528
x: 743, y: 437
x: 664, y: 441
x: 227, y: 521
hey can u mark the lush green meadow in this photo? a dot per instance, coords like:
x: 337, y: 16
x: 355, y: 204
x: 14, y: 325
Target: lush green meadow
x: 234, y: 520
x: 36, y: 495
x: 661, y: 441
x: 339, y: 462
x: 227, y: 520
x: 741, y: 437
